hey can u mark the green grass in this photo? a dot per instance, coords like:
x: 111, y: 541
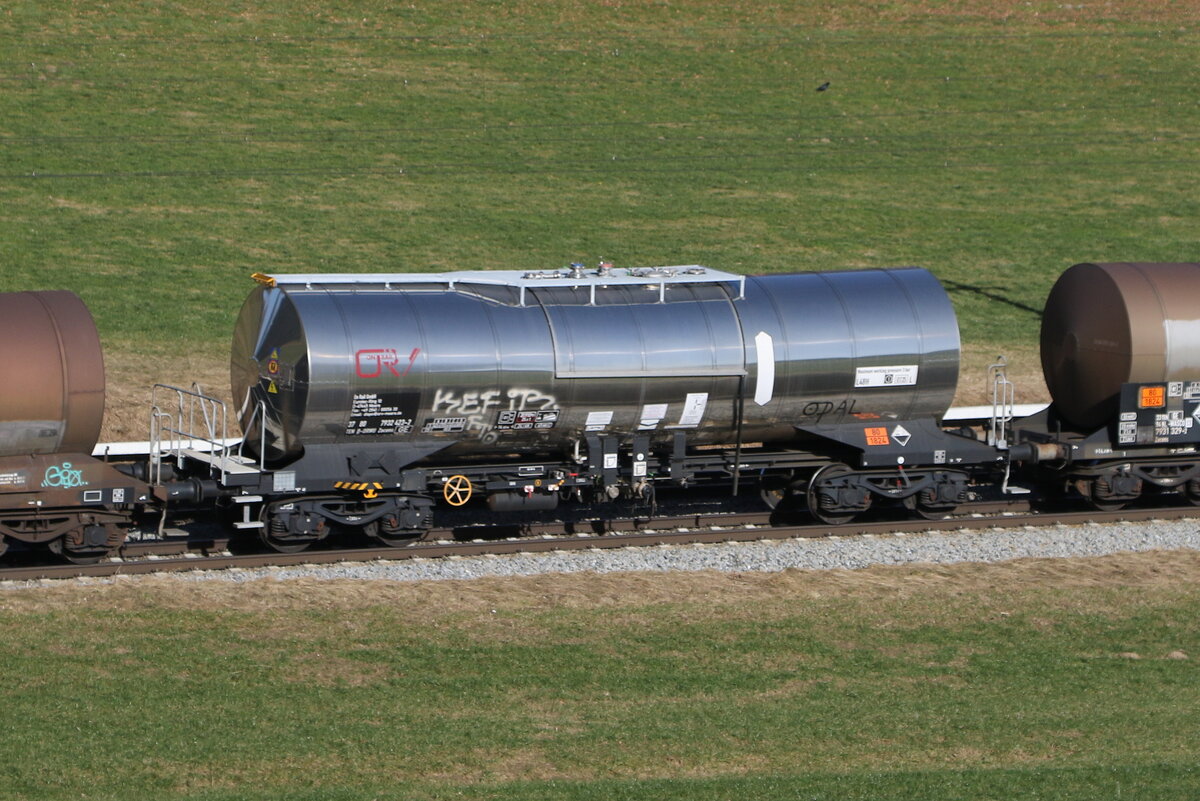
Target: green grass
x: 153, y: 156
x: 1001, y: 682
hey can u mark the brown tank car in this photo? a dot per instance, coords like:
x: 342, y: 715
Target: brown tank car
x: 52, y: 491
x: 1106, y: 325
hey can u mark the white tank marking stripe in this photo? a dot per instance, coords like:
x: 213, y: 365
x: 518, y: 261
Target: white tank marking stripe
x: 764, y: 387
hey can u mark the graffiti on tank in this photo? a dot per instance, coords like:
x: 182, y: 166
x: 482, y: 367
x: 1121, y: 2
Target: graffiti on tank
x: 481, y: 402
x: 481, y: 427
x: 521, y: 399
x: 479, y: 406
x: 447, y: 401
x: 63, y: 477
x: 373, y: 362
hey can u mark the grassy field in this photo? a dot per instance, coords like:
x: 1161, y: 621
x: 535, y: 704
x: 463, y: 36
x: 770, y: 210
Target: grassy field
x: 153, y: 157
x: 1043, y: 679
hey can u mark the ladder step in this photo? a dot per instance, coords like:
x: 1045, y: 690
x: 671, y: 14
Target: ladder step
x: 230, y: 463
x: 249, y: 524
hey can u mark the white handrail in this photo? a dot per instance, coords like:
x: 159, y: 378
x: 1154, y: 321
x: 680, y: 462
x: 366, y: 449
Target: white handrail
x: 168, y: 434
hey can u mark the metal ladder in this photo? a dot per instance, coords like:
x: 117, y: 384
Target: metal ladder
x: 1003, y: 395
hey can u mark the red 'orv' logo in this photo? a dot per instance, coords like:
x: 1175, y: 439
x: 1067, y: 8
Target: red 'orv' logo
x: 371, y: 362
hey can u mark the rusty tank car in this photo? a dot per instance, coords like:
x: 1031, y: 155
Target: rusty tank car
x: 52, y: 491
x: 1121, y: 357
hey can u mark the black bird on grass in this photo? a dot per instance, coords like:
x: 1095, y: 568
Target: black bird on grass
x: 823, y: 87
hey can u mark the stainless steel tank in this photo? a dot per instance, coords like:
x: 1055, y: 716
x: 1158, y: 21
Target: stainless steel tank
x: 509, y: 362
x: 1109, y: 324
x: 53, y: 368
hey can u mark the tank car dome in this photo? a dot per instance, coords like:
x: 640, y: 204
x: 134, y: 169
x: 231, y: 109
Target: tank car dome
x: 1109, y: 324
x: 50, y: 352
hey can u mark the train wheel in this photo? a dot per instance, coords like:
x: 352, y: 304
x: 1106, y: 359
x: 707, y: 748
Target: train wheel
x: 457, y: 490
x: 927, y: 508
x: 57, y: 548
x: 75, y: 557
x: 3, y: 544
x: 1114, y: 492
x: 282, y: 545
x: 834, y: 502
x: 278, y: 535
x: 402, y: 540
x: 87, y: 544
x: 934, y: 512
x: 774, y: 490
x: 391, y: 536
x: 1191, y: 491
x: 1102, y: 505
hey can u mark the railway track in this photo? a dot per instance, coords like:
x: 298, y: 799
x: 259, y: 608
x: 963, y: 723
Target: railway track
x: 210, y: 551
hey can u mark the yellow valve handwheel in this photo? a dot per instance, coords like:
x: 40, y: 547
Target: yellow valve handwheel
x: 457, y: 490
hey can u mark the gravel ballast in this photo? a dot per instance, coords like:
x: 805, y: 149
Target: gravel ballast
x: 834, y: 553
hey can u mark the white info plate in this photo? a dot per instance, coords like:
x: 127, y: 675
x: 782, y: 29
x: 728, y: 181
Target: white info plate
x: 896, y: 375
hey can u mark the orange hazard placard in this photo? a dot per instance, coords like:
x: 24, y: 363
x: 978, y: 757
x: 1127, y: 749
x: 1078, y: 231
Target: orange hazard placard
x: 1152, y: 397
x: 877, y: 436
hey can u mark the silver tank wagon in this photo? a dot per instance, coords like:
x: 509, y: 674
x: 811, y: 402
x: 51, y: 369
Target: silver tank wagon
x: 497, y: 362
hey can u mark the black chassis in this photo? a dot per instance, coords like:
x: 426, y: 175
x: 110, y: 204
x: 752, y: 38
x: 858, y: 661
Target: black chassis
x: 915, y: 462
x: 842, y: 469
x: 1152, y: 439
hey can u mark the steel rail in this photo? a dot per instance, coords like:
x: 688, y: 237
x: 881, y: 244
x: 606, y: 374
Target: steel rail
x: 138, y: 558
